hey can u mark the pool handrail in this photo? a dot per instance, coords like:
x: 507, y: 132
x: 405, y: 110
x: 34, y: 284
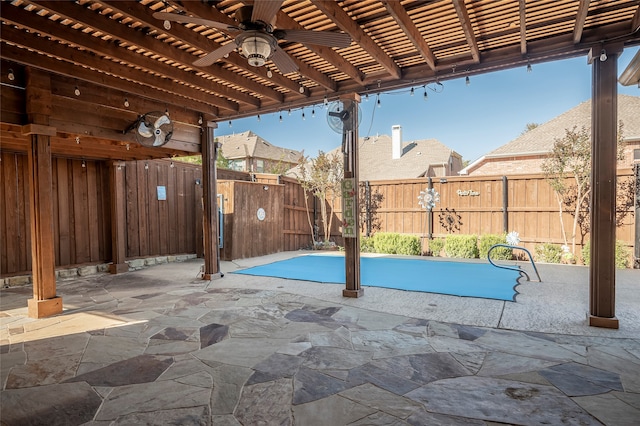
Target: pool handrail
x: 514, y: 268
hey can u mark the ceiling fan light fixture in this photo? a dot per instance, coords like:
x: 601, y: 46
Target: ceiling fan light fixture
x: 257, y: 48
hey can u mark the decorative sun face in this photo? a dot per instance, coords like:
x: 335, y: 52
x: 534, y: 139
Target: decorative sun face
x: 428, y: 198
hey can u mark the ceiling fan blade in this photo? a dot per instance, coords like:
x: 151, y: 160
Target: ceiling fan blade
x: 283, y: 61
x: 265, y: 10
x: 211, y: 57
x: 322, y: 38
x: 166, y: 16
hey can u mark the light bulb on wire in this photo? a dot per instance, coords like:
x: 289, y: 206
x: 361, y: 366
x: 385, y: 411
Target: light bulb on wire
x: 379, y: 104
x: 603, y: 55
x: 467, y: 81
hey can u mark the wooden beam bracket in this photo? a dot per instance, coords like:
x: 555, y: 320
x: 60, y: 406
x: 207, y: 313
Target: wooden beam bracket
x: 38, y: 129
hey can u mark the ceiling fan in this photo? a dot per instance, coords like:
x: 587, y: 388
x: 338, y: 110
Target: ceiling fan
x: 258, y: 39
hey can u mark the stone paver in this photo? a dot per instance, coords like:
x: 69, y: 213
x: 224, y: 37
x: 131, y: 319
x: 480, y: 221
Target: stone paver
x: 152, y: 347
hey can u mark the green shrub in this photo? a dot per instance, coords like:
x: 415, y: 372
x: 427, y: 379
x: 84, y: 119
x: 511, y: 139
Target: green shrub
x: 548, y: 253
x: 486, y: 241
x: 435, y: 246
x: 366, y: 245
x: 463, y: 246
x: 622, y: 254
x: 394, y: 243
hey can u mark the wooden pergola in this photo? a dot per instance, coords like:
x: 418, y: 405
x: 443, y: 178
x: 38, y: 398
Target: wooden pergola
x: 76, y: 74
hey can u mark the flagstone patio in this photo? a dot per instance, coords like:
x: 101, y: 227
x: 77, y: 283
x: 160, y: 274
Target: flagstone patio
x: 160, y: 346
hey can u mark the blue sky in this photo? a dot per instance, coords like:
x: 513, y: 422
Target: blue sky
x: 471, y: 119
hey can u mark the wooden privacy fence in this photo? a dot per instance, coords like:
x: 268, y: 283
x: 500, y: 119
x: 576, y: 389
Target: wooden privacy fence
x: 478, y: 205
x: 164, y: 211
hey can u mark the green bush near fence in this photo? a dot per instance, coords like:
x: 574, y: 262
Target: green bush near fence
x: 366, y: 245
x: 548, y: 253
x: 435, y: 246
x: 463, y: 246
x: 486, y: 241
x: 394, y: 243
x: 622, y: 254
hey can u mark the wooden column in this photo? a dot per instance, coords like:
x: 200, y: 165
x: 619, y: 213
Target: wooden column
x: 209, y: 151
x: 45, y: 302
x: 604, y: 127
x: 118, y: 219
x: 350, y: 150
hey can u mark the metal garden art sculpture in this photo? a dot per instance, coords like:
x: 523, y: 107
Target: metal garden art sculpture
x: 427, y: 200
x: 450, y: 220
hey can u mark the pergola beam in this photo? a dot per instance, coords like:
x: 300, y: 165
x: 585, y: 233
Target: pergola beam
x: 523, y: 26
x: 581, y: 17
x: 469, y: 34
x: 403, y: 19
x: 337, y: 14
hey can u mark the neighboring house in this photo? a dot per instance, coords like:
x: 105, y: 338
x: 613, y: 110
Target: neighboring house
x: 249, y: 152
x: 384, y: 157
x: 526, y: 153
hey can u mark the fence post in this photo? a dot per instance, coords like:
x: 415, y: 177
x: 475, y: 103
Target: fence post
x: 505, y: 204
x: 430, y: 213
x: 636, y: 240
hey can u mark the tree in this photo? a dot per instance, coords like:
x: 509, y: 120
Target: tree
x: 568, y: 171
x: 321, y: 177
x: 529, y: 126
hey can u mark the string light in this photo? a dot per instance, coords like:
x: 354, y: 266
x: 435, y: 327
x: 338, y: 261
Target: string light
x: 229, y: 123
x: 78, y: 140
x: 529, y: 69
x: 303, y: 117
x: 603, y: 55
x: 281, y: 117
x: 84, y: 163
x: 200, y: 119
x: 378, y: 102
x: 146, y: 166
x: 172, y: 165
x: 269, y: 73
x: 128, y: 147
x: 77, y: 91
x: 258, y: 118
x: 301, y: 89
x: 412, y: 91
x: 11, y: 75
x: 167, y: 25
x: 425, y: 96
x: 326, y: 101
x: 467, y: 81
x: 126, y: 102
x: 289, y: 111
x: 313, y: 112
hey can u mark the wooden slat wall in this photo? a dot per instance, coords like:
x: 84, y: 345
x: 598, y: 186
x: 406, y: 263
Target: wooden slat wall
x: 245, y: 235
x: 15, y: 239
x: 162, y: 227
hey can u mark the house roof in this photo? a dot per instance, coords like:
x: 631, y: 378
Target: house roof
x: 417, y: 156
x: 540, y: 140
x: 248, y: 144
x: 374, y: 154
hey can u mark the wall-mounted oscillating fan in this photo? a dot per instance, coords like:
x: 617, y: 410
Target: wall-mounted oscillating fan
x: 153, y: 129
x: 337, y: 115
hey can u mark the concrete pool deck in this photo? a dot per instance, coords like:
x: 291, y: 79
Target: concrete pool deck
x: 161, y: 346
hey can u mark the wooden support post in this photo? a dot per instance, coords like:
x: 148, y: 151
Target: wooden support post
x: 209, y: 151
x: 604, y: 128
x: 350, y: 150
x: 45, y: 302
x: 118, y: 218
